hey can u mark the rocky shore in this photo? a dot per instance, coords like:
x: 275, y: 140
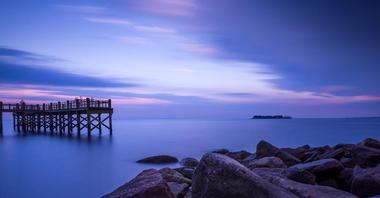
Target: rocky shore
x: 345, y: 170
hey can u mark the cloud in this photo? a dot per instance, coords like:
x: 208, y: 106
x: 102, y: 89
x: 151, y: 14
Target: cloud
x: 109, y: 20
x: 199, y: 48
x: 32, y: 72
x: 183, y: 8
x: 140, y: 101
x: 155, y: 29
x: 136, y: 40
x: 87, y: 9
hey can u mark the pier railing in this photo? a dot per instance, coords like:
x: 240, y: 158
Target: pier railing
x: 77, y: 104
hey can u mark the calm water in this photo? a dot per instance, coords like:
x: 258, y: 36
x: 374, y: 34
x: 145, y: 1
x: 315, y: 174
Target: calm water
x: 54, y: 166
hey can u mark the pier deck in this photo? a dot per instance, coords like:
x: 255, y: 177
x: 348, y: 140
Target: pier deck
x: 61, y: 117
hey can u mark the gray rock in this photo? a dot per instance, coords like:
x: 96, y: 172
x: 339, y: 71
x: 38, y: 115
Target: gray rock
x: 265, y: 149
x: 279, y: 172
x: 306, y: 190
x: 302, y: 176
x: 347, y: 162
x: 189, y: 162
x: 178, y: 189
x: 159, y: 159
x: 171, y: 175
x: 370, y: 142
x: 323, y: 169
x: 335, y: 154
x: 366, y: 182
x: 344, y: 179
x: 148, y: 183
x: 218, y: 176
x: 366, y: 156
x: 298, y: 152
x: 186, y: 171
x: 266, y: 162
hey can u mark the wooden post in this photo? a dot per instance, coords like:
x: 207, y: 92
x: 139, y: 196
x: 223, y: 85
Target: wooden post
x: 88, y: 124
x: 14, y: 121
x: 88, y: 103
x: 1, y: 117
x: 110, y: 122
x: 100, y: 123
x: 78, y: 123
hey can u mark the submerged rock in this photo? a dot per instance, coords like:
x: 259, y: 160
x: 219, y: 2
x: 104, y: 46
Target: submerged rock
x: 189, y: 162
x: 148, y: 183
x: 159, y: 159
x: 265, y: 149
x: 218, y: 176
x: 366, y: 182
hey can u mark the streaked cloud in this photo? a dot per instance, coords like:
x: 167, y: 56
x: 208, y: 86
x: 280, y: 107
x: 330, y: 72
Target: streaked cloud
x: 87, y: 9
x: 170, y: 7
x: 109, y: 20
x: 155, y: 29
x: 136, y: 40
x: 199, y: 48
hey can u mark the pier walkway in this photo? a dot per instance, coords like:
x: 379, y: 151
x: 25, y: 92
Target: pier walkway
x: 61, y: 117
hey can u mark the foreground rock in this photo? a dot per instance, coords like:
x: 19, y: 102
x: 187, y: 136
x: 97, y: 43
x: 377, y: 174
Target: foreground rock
x: 171, y: 175
x: 159, y: 159
x: 218, y: 176
x: 148, y: 183
x: 366, y: 182
x: 266, y: 162
x: 265, y: 149
x: 366, y: 156
x: 323, y: 169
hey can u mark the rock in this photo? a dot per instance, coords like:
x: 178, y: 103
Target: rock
x: 218, y: 176
x: 265, y: 149
x: 266, y: 162
x: 189, y: 193
x: 302, y: 176
x: 186, y: 171
x: 298, y: 152
x: 189, y: 162
x: 328, y: 182
x: 370, y: 142
x: 366, y: 182
x: 178, y: 189
x: 306, y: 190
x: 323, y: 169
x: 148, y: 183
x: 159, y: 159
x: 335, y: 154
x: 279, y: 172
x: 366, y: 156
x: 171, y: 175
x: 221, y: 151
x: 239, y: 155
x: 343, y: 180
x: 347, y: 162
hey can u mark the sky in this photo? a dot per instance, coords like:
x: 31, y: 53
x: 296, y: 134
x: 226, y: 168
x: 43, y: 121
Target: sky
x: 195, y: 58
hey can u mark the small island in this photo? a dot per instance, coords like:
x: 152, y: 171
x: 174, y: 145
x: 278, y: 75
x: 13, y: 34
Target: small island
x: 271, y: 117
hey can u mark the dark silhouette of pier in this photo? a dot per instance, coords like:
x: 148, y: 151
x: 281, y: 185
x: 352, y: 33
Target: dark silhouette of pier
x: 61, y: 117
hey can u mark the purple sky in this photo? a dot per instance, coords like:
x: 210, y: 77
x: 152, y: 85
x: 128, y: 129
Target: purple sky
x: 195, y: 58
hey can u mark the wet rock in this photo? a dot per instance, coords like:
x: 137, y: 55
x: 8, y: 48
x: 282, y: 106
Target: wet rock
x: 265, y: 149
x: 218, y: 176
x: 366, y: 182
x: 302, y: 176
x: 186, y: 171
x: 370, y: 142
x: 266, y: 162
x: 239, y: 155
x: 366, y: 156
x: 148, y: 183
x: 159, y: 159
x: 178, y: 189
x: 189, y: 162
x: 221, y: 151
x: 344, y: 178
x: 323, y: 169
x: 306, y: 190
x: 171, y: 175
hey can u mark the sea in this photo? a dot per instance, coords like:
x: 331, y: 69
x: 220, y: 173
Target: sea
x: 53, y: 165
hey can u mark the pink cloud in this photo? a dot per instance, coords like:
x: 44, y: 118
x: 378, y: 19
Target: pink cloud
x: 199, y: 48
x: 140, y: 101
x: 169, y: 7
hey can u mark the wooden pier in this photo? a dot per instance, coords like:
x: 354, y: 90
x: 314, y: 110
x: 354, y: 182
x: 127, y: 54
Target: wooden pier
x: 61, y: 117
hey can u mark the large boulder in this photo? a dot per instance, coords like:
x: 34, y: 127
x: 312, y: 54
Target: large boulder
x: 370, y: 142
x: 265, y: 149
x: 366, y: 182
x: 148, y: 183
x: 159, y: 159
x: 171, y: 175
x: 218, y: 176
x: 366, y: 156
x: 306, y: 190
x: 266, y: 162
x: 189, y: 162
x: 323, y: 169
